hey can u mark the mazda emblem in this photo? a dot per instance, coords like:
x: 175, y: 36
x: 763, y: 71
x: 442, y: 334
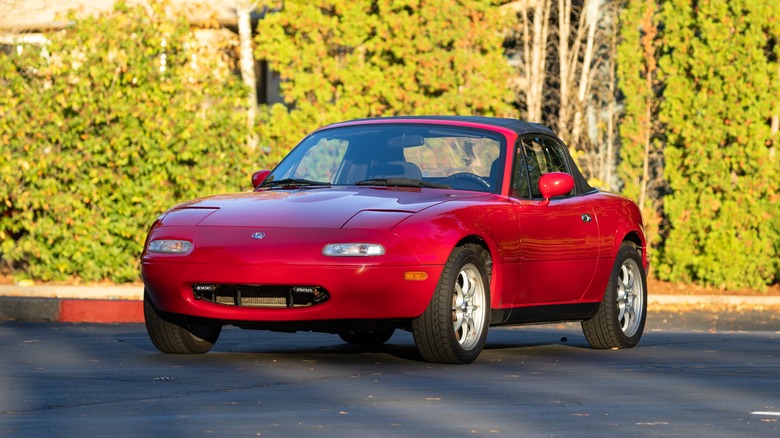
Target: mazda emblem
x: 258, y: 235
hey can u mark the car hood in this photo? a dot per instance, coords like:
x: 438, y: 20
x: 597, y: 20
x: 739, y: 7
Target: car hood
x: 311, y: 208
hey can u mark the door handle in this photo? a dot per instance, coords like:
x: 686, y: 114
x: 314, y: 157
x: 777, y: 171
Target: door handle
x: 586, y: 218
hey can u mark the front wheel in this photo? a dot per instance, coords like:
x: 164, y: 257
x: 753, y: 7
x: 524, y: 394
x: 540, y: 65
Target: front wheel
x: 454, y: 327
x: 172, y: 333
x: 620, y: 320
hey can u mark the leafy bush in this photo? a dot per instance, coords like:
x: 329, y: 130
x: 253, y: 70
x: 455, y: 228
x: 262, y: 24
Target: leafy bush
x: 118, y: 118
x: 343, y: 59
x: 721, y: 94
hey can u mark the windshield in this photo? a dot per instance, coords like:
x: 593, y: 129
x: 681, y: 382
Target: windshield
x: 414, y: 155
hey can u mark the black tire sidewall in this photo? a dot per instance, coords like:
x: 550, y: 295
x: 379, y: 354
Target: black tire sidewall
x: 172, y: 333
x: 449, y: 349
x: 474, y: 259
x: 610, y: 297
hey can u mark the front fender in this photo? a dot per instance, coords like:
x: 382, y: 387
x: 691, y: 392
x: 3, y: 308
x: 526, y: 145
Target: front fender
x: 432, y: 233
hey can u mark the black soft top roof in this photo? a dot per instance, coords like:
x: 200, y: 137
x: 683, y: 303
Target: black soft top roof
x: 521, y: 127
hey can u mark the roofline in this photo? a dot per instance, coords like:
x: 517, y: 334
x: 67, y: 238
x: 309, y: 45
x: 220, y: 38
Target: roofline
x: 518, y: 126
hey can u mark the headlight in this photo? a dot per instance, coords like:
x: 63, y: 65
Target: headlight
x: 353, y: 250
x: 169, y: 246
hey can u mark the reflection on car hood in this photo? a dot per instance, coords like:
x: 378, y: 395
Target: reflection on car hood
x: 315, y: 208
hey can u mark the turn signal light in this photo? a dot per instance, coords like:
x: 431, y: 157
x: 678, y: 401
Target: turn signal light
x: 415, y: 275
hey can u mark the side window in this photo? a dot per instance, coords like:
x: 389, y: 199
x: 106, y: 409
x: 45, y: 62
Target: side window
x: 521, y: 174
x: 535, y: 156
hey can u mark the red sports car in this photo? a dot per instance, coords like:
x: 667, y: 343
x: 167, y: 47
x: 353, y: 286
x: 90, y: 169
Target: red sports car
x: 442, y: 226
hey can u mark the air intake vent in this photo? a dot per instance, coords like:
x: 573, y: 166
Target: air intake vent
x: 245, y: 295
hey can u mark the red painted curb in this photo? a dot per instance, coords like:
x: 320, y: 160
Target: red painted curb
x: 105, y: 311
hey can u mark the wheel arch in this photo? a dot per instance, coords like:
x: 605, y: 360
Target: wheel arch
x: 634, y: 238
x: 620, y: 221
x: 491, y: 268
x: 475, y: 240
x: 487, y: 254
x: 638, y: 242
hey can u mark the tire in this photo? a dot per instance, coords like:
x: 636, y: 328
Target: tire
x: 454, y: 326
x: 367, y: 338
x: 620, y: 320
x: 177, y: 334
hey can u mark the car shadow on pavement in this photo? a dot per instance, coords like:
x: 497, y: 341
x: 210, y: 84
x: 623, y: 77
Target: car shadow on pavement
x: 663, y: 329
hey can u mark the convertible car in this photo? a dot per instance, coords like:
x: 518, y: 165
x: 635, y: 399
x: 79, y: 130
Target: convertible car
x: 442, y: 226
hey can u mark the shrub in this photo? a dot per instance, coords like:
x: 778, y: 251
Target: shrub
x: 720, y: 97
x: 118, y: 118
x: 343, y: 59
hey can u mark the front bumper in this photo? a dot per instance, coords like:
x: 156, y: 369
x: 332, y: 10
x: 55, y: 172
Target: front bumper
x: 356, y: 291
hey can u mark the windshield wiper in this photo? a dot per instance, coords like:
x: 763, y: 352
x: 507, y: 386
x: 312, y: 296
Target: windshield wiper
x: 400, y: 182
x: 294, y: 182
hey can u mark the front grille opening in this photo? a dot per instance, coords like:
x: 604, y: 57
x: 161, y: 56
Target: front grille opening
x: 245, y: 295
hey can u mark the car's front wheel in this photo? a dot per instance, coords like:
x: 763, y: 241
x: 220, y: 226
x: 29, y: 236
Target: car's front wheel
x: 172, y: 333
x: 620, y: 320
x: 454, y: 327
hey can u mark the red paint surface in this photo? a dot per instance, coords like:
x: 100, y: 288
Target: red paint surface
x: 101, y: 311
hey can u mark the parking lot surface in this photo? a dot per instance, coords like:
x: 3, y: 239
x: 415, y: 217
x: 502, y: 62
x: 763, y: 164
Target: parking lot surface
x: 686, y: 377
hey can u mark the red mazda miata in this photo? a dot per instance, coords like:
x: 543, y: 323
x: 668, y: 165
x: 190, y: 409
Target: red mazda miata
x: 442, y: 226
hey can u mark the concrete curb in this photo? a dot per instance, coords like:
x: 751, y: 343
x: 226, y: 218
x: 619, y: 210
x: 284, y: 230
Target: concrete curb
x: 75, y: 292
x: 124, y: 304
x: 729, y: 300
x: 94, y: 304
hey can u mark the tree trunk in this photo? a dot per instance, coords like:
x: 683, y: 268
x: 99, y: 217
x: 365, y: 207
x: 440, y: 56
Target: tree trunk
x: 534, y: 56
x: 564, y: 35
x: 243, y: 10
x: 591, y: 11
x: 608, y: 160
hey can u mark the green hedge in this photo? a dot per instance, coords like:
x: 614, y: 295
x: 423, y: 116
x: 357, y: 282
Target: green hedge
x: 709, y: 106
x: 343, y: 59
x: 722, y: 82
x: 126, y: 114
x: 117, y: 119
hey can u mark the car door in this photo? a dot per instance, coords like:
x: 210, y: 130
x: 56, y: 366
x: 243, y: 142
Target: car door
x: 559, y: 240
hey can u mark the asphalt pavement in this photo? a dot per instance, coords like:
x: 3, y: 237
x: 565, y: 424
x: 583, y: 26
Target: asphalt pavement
x: 61, y: 379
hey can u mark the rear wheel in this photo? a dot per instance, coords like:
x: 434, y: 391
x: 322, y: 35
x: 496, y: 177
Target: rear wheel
x: 172, y: 333
x: 620, y: 320
x: 367, y: 338
x: 454, y: 327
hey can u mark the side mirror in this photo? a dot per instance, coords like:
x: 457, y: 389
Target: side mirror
x: 258, y: 177
x: 555, y: 184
